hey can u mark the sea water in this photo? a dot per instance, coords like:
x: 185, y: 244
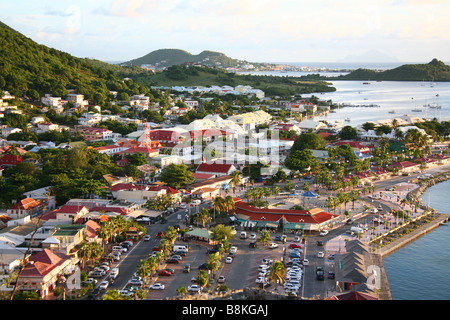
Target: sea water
x: 421, y: 270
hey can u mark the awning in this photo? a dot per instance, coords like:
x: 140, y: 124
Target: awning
x: 199, y: 233
x: 249, y: 223
x: 294, y: 226
x: 267, y: 224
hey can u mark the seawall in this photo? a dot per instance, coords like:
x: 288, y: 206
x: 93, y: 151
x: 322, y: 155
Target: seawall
x: 415, y: 196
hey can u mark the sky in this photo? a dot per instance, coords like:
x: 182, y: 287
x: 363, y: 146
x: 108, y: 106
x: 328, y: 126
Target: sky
x: 251, y: 30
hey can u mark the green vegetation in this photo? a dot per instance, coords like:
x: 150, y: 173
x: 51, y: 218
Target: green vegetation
x: 170, y: 57
x: 436, y: 70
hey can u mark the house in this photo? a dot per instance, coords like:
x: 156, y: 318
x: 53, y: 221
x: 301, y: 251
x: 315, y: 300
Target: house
x: 92, y: 134
x: 311, y: 125
x: 148, y: 173
x: 44, y: 270
x: 164, y: 160
x: 218, y: 169
x: 24, y: 207
x: 43, y: 196
x: 205, y: 193
x: 405, y: 166
x: 46, y: 126
x: 65, y: 238
x: 71, y: 212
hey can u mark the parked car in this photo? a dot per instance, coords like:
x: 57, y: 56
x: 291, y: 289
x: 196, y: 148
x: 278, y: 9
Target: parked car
x: 305, y: 262
x: 319, y: 243
x: 157, y: 286
x: 194, y: 288
x: 320, y: 254
x: 164, y: 273
x: 173, y: 260
x: 330, y: 275
x: 323, y: 233
x: 135, y: 282
x: 147, y: 237
x: 203, y: 266
x: 273, y: 245
x: 160, y: 234
x: 252, y: 236
x: 103, y: 285
x: 126, y: 292
x: 319, y: 275
x: 187, y: 268
x: 349, y: 221
x: 221, y: 279
x: 233, y: 249
x: 229, y: 260
x: 294, y: 245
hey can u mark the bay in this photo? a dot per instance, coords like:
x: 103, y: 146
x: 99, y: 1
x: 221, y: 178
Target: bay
x: 421, y: 270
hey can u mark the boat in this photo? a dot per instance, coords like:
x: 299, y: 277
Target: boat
x: 393, y: 111
x: 348, y: 119
x: 416, y: 110
x: 366, y: 82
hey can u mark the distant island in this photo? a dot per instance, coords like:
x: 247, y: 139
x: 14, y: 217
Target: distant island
x: 164, y: 58
x: 435, y: 70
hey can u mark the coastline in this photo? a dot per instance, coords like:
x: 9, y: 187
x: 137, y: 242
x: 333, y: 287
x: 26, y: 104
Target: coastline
x: 438, y: 218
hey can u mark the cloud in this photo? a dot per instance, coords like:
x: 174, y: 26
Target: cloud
x: 128, y: 8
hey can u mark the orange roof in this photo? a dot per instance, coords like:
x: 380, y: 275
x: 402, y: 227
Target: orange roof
x: 26, y: 204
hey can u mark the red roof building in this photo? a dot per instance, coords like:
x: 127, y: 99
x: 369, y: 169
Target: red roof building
x: 9, y: 160
x: 313, y: 220
x: 218, y: 169
x: 24, y: 208
x: 41, y: 274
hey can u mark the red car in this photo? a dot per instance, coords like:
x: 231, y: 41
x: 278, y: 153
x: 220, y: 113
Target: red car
x: 173, y: 261
x: 294, y: 245
x: 165, y: 273
x: 160, y: 234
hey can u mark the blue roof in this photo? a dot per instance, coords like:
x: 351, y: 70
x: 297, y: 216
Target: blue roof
x: 309, y: 194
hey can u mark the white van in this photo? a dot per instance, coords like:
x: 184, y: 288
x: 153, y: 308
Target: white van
x: 243, y: 235
x: 119, y: 248
x: 114, y: 273
x: 357, y: 229
x: 180, y: 248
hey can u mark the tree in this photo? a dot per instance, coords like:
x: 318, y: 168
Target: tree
x: 348, y: 133
x: 264, y: 237
x: 235, y: 180
x: 300, y: 160
x: 176, y: 175
x: 311, y: 141
x: 277, y: 272
x: 202, y: 217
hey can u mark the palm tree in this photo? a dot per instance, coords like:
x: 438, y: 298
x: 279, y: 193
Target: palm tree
x: 165, y: 246
x: 90, y: 251
x: 277, y: 272
x: 354, y: 197
x: 114, y: 295
x: 202, y: 217
x: 171, y: 234
x: 235, y: 180
x: 218, y: 205
x: 181, y: 291
x: 265, y: 237
x: 228, y: 204
x: 276, y: 191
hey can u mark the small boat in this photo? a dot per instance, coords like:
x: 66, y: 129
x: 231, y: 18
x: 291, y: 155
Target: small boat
x: 393, y: 112
x: 416, y: 110
x: 348, y: 119
x: 444, y: 223
x: 366, y: 82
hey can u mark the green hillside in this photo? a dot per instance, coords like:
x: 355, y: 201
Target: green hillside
x: 169, y: 57
x: 32, y: 69
x: 436, y: 70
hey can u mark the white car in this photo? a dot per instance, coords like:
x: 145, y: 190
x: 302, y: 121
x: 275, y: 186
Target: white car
x: 125, y: 292
x: 103, y: 285
x: 320, y: 254
x: 221, y: 279
x: 267, y: 261
x: 147, y: 237
x: 194, y: 288
x: 261, y: 279
x: 323, y: 233
x: 157, y: 286
x: 252, y: 236
x: 233, y: 249
x: 263, y: 267
x: 229, y: 260
x: 297, y: 239
x: 305, y: 262
x: 273, y: 245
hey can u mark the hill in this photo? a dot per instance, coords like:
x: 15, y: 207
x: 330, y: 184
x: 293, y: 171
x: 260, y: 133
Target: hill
x: 29, y: 68
x: 435, y: 70
x: 164, y: 58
